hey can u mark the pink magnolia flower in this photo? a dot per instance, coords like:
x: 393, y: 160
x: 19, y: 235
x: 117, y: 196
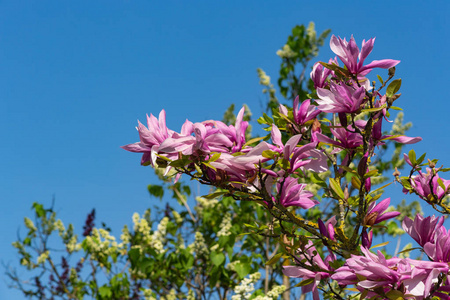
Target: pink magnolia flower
x: 439, y: 248
x: 422, y: 230
x: 341, y: 98
x: 376, y: 213
x: 372, y: 272
x: 151, y: 137
x: 236, y: 133
x: 378, y: 136
x: 346, y: 138
x: 353, y: 58
x: 306, y: 157
x: 327, y: 229
x: 427, y: 185
x: 206, y: 139
x: 322, y: 269
x: 320, y: 74
x: 292, y: 193
x: 305, y: 112
x: 366, y: 238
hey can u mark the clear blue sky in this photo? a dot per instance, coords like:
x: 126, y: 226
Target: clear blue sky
x: 76, y: 75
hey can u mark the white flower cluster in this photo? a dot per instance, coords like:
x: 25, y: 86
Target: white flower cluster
x: 159, y: 236
x: 246, y: 287
x: 43, y: 257
x: 72, y: 245
x: 60, y: 226
x: 264, y: 79
x: 171, y: 296
x: 273, y: 293
x: 199, y: 245
x: 225, y: 226
x: 155, y: 240
x: 177, y: 217
x: 203, y: 203
x: 286, y: 52
x: 100, y: 243
x: 29, y: 224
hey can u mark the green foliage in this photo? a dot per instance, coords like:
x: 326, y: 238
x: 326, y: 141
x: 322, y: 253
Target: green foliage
x: 302, y: 46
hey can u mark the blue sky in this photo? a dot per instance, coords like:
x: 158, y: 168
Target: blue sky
x: 76, y: 75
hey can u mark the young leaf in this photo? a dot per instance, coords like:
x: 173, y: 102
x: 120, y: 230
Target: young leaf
x: 380, y: 79
x: 274, y: 259
x: 334, y: 184
x: 412, y: 157
x: 393, y: 87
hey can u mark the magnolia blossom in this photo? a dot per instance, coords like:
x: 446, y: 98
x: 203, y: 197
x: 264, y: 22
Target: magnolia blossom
x: 427, y: 185
x: 346, y: 138
x: 193, y: 139
x: 322, y: 268
x: 378, y: 137
x: 439, y: 248
x: 306, y: 157
x: 320, y: 74
x: 151, y: 137
x: 353, y: 58
x: 305, y: 112
x: 422, y: 230
x: 376, y: 213
x: 327, y: 229
x: 378, y: 275
x: 341, y: 98
x: 292, y: 193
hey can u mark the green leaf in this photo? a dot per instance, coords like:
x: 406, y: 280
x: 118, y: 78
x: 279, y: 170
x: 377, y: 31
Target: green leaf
x: 441, y: 184
x: 379, y: 245
x: 334, y: 184
x: 254, y: 140
x: 350, y: 170
x: 156, y: 190
x: 395, y: 108
x: 393, y: 87
x: 356, y: 183
x: 317, y: 180
x: 380, y: 188
x: 304, y: 282
x: 105, y: 291
x: 215, y: 157
x: 215, y: 195
x: 274, y: 259
x: 179, y: 163
x: 217, y: 258
x: 209, y: 165
x: 412, y: 157
x: 375, y: 109
x: 134, y: 255
x: 268, y: 154
x: 243, y: 268
x: 371, y: 174
x: 395, y: 295
x: 421, y: 158
x: 39, y: 208
x: 380, y: 79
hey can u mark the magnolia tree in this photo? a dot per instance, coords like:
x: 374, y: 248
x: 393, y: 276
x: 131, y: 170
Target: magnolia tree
x: 199, y: 249
x: 337, y: 132
x: 313, y: 191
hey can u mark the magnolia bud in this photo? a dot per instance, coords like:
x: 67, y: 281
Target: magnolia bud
x: 391, y: 72
x: 370, y: 219
x: 431, y: 164
x: 396, y: 172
